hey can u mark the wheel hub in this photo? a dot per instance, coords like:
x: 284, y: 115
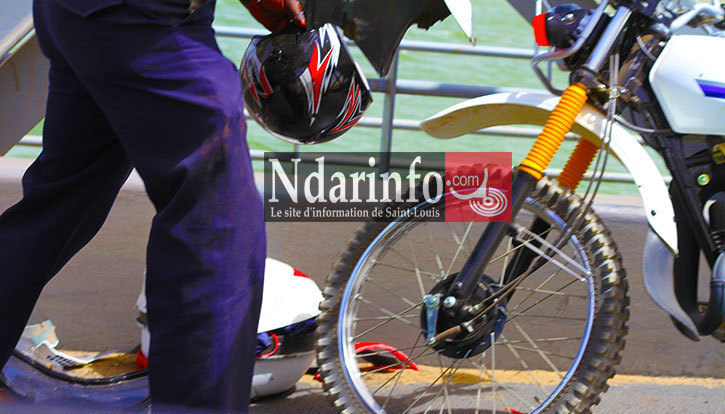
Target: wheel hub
x: 481, y: 330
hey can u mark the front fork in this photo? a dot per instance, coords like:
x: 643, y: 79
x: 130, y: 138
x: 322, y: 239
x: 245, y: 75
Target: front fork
x: 528, y: 174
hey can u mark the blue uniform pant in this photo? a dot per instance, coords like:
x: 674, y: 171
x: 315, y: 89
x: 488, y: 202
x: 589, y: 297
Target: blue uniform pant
x: 131, y: 89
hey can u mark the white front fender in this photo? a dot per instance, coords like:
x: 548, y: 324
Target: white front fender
x: 534, y: 109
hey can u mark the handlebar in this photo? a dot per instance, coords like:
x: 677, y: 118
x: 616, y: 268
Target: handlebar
x: 713, y: 10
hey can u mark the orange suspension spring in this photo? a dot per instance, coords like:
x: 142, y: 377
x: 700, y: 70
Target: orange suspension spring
x: 559, y: 123
x: 578, y: 163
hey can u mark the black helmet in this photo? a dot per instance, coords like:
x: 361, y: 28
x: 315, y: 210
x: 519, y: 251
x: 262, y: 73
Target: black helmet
x: 304, y: 86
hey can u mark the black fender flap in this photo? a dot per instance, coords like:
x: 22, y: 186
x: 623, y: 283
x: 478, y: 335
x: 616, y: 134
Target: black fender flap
x: 377, y: 26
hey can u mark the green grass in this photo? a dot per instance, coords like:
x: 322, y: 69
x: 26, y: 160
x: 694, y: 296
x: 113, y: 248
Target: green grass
x: 496, y: 23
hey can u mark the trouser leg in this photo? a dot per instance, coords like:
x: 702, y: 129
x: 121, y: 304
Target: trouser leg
x: 206, y: 249
x: 67, y: 194
x: 175, y: 103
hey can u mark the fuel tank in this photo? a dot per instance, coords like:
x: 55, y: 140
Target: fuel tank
x: 688, y: 80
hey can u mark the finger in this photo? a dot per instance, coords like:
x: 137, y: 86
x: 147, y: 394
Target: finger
x: 294, y: 10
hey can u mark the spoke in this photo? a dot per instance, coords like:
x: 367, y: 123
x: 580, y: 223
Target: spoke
x: 381, y: 286
x: 480, y: 384
x: 525, y: 315
x: 408, y: 349
x: 467, y: 242
x: 556, y: 272
x: 446, y: 400
x: 386, y: 367
x: 393, y: 316
x: 493, y: 370
x: 538, y: 302
x: 551, y: 259
x: 394, y: 250
x: 380, y: 318
x: 461, y: 241
x: 523, y: 363
x: 504, y: 290
x: 572, y: 338
x: 417, y: 268
x: 523, y: 348
x: 433, y: 383
x: 520, y: 246
x: 551, y: 292
x: 460, y: 245
x: 399, y: 374
x: 507, y: 389
x: 506, y: 262
x: 444, y: 386
x: 389, y: 313
x: 433, y: 276
x: 515, y: 264
x: 538, y: 350
x: 555, y: 250
x: 508, y: 252
x: 439, y: 262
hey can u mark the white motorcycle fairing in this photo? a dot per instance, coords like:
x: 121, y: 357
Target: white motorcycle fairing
x: 289, y: 297
x: 688, y: 80
x: 534, y: 109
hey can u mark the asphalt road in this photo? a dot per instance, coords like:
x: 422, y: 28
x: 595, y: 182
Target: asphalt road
x: 92, y: 302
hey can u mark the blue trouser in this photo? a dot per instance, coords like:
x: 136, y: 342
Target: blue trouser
x: 130, y: 89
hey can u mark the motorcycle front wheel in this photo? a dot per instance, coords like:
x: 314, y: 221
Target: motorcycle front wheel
x: 550, y: 344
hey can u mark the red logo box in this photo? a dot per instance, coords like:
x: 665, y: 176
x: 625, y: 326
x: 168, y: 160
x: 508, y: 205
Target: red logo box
x: 478, y: 187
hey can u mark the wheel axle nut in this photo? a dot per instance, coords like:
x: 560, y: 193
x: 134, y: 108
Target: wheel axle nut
x: 449, y: 302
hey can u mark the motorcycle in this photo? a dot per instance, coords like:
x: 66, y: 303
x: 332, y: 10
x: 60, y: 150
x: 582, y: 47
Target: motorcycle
x: 531, y: 315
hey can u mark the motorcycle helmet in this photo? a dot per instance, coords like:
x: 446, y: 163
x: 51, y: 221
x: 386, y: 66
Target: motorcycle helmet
x: 303, y: 86
x: 285, y: 334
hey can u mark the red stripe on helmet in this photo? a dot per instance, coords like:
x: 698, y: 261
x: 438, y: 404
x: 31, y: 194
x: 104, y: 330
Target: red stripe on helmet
x: 317, y: 73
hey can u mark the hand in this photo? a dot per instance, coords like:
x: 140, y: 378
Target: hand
x: 276, y: 14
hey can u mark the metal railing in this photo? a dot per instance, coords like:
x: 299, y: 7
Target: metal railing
x: 391, y: 86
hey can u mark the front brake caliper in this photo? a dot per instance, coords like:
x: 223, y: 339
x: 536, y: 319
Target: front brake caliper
x: 432, y: 305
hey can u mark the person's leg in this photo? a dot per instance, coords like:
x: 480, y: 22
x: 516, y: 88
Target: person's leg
x: 67, y: 194
x: 175, y: 103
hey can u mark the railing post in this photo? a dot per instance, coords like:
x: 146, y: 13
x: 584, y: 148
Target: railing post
x: 386, y: 130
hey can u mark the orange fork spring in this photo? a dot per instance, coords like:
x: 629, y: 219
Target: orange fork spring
x: 557, y: 126
x: 578, y: 163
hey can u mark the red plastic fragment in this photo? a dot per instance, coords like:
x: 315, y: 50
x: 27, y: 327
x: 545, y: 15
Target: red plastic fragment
x: 372, y: 347
x: 141, y: 361
x: 512, y: 411
x: 361, y: 348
